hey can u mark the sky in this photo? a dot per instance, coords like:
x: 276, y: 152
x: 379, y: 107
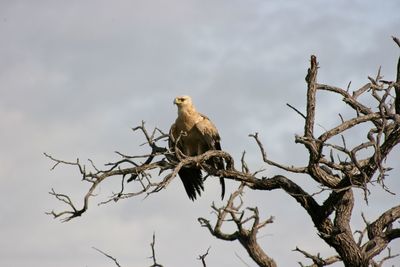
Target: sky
x: 76, y: 76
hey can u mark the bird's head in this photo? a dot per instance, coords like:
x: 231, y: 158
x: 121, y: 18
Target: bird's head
x: 183, y: 101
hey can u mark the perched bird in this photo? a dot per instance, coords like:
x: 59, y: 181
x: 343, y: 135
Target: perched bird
x: 200, y: 135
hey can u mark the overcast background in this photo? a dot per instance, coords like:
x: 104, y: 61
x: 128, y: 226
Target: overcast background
x: 75, y: 76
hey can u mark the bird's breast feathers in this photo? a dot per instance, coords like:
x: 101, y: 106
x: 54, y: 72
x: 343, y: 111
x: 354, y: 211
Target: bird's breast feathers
x: 186, y: 123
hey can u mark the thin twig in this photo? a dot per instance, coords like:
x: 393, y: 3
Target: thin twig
x: 296, y: 110
x: 153, y: 252
x: 203, y: 257
x: 108, y: 256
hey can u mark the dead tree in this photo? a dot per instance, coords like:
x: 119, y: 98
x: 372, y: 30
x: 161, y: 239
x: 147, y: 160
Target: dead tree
x: 337, y: 167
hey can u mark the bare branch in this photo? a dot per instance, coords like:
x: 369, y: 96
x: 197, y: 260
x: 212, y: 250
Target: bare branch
x: 317, y: 260
x: 381, y: 232
x: 116, y: 170
x: 247, y: 237
x: 241, y: 260
x: 68, y: 214
x: 296, y: 110
x: 272, y: 163
x: 311, y: 80
x: 57, y: 162
x: 347, y: 125
x: 203, y: 257
x: 245, y: 168
x: 108, y: 256
x: 397, y: 83
x: 361, y: 91
x: 153, y: 252
x: 348, y: 99
x: 388, y: 257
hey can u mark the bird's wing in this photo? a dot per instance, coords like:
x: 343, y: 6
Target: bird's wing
x: 211, y: 140
x: 209, y: 133
x: 172, y: 136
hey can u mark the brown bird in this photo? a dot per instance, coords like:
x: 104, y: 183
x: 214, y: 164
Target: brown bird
x: 200, y: 136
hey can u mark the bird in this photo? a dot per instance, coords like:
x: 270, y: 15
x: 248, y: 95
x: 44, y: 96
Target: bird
x: 197, y: 135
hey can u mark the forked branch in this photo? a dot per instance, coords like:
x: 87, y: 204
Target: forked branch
x: 246, y: 236
x: 318, y: 261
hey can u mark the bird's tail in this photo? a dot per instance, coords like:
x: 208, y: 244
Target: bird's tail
x: 222, y: 182
x: 192, y: 181
x: 218, y: 163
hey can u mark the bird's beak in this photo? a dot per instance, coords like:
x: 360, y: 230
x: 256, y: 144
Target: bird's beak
x: 175, y: 103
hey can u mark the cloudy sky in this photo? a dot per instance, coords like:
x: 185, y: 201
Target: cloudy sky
x: 75, y: 76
